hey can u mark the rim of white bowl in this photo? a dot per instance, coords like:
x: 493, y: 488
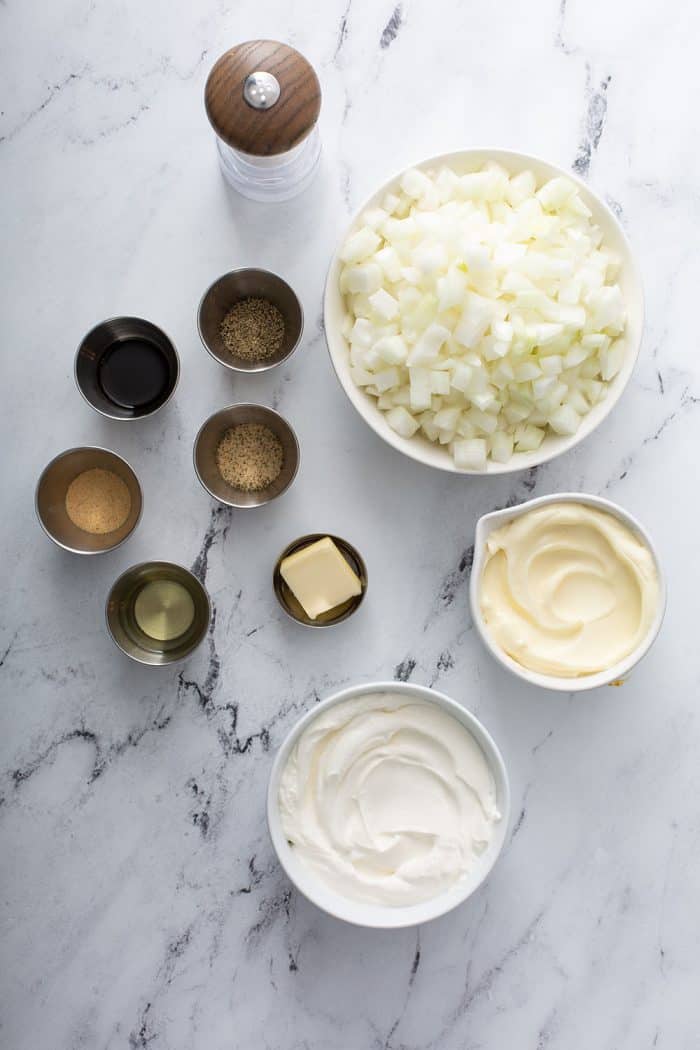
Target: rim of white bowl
x: 373, y: 915
x: 418, y: 447
x: 619, y: 671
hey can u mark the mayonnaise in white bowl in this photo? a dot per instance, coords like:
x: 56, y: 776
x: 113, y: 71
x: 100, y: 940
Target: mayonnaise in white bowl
x: 388, y: 804
x: 578, y: 597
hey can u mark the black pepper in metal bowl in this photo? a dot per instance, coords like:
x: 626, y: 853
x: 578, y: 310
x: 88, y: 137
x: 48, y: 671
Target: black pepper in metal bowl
x: 253, y: 329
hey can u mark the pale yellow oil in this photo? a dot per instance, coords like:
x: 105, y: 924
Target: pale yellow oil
x: 164, y: 610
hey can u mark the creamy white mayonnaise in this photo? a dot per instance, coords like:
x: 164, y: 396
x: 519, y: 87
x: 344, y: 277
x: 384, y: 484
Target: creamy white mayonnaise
x: 388, y: 798
x: 567, y: 589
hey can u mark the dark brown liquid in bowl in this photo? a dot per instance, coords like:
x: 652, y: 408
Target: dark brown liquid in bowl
x: 133, y: 373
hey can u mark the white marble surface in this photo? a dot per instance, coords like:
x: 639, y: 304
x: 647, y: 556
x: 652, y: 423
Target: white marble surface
x: 141, y: 904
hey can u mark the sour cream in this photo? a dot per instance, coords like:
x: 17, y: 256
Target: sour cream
x: 388, y: 798
x: 568, y: 590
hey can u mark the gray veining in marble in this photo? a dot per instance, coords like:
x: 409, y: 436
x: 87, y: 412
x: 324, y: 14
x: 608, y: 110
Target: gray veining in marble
x: 141, y: 905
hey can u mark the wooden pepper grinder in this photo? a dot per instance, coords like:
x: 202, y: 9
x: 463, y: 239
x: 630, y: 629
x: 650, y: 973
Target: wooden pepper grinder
x: 263, y: 100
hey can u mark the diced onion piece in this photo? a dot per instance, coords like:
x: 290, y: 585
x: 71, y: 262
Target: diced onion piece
x: 607, y: 308
x: 552, y: 364
x: 485, y: 401
x: 367, y: 277
x: 555, y: 193
x: 520, y: 188
x: 501, y: 446
x: 451, y: 289
x: 446, y: 418
x: 483, y: 421
x: 440, y: 383
x: 360, y: 245
x: 527, y: 370
x: 387, y: 379
x: 576, y: 399
x: 428, y: 346
x: 503, y: 331
x: 392, y: 349
x: 361, y: 377
x: 576, y: 355
x: 475, y: 319
x: 384, y: 304
x: 390, y: 263
x: 414, y: 183
x: 402, y: 421
x: 462, y: 377
x: 374, y: 217
x: 565, y: 420
x: 611, y: 360
x: 543, y: 386
x: 430, y: 258
x: 470, y: 453
x: 362, y: 332
x: 529, y: 438
x: 421, y: 391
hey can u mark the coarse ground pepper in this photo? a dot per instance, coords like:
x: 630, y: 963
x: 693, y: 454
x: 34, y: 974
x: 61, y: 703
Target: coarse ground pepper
x: 249, y: 457
x: 253, y: 329
x: 98, y: 501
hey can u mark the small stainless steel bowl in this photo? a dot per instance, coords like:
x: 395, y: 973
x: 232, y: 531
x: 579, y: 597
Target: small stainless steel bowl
x: 290, y: 604
x: 101, y: 339
x: 125, y: 631
x: 230, y: 289
x: 50, y: 499
x: 210, y: 435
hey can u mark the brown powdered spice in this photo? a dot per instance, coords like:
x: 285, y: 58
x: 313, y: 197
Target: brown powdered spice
x: 253, y: 329
x: 98, y: 501
x: 249, y: 457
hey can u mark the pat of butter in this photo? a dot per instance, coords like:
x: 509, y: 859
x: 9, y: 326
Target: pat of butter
x: 319, y: 577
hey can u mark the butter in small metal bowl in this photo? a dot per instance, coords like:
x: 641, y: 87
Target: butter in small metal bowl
x: 339, y: 613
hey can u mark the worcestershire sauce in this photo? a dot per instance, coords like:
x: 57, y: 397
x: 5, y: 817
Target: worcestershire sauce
x: 133, y: 373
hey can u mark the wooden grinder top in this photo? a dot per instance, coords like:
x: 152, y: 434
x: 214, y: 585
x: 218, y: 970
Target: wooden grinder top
x: 262, y: 131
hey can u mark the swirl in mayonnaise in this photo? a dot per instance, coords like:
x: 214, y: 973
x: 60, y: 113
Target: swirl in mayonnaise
x: 568, y: 589
x: 389, y: 799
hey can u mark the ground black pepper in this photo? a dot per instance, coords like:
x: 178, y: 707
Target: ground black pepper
x: 253, y: 329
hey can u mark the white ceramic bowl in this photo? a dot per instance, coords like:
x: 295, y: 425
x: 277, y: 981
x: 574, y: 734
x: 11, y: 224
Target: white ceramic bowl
x: 374, y: 915
x: 616, y: 674
x: 418, y: 447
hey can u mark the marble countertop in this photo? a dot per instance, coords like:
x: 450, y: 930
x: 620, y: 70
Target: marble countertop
x: 141, y: 904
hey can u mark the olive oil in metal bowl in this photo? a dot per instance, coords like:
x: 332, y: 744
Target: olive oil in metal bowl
x: 158, y: 612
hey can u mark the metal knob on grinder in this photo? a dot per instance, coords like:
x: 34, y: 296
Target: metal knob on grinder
x: 263, y: 100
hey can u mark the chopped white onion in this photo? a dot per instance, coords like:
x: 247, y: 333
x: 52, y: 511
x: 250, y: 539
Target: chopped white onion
x: 482, y: 310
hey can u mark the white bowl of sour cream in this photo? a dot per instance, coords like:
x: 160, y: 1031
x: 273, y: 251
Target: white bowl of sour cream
x: 566, y: 590
x: 388, y: 804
